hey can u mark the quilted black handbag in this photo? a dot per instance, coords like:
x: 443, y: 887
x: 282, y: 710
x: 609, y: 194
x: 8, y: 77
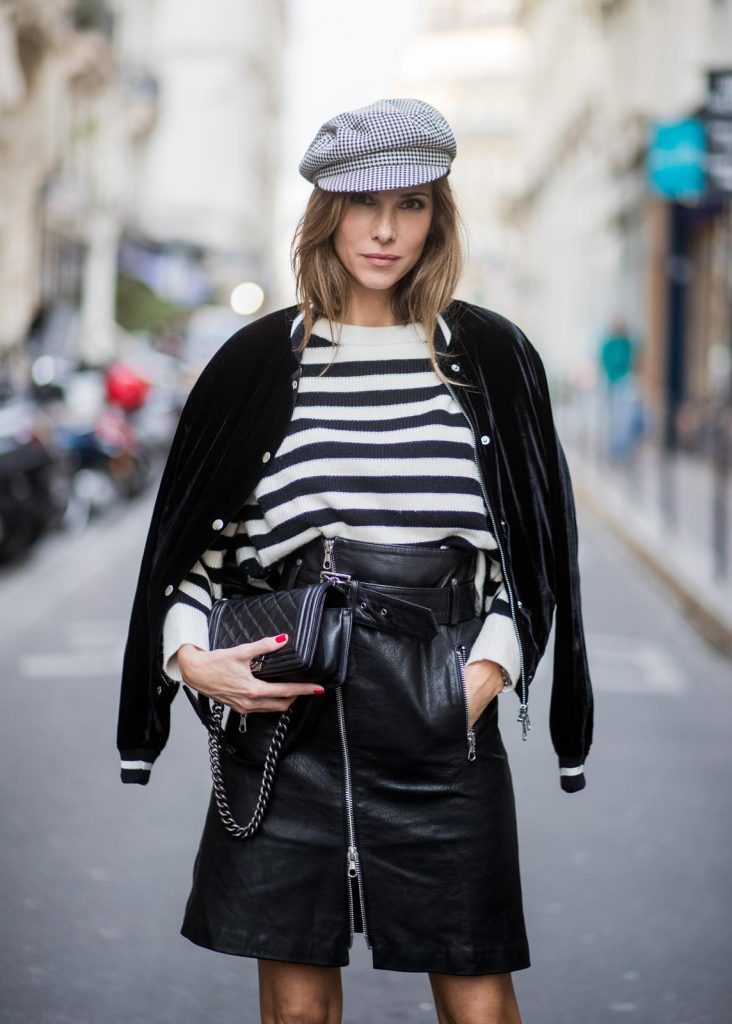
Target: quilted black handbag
x: 317, y: 619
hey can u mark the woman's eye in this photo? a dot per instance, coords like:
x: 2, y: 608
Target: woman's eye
x: 414, y: 204
x: 360, y: 197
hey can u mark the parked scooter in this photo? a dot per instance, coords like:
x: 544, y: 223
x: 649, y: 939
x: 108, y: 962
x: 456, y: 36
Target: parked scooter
x: 111, y: 460
x: 35, y: 475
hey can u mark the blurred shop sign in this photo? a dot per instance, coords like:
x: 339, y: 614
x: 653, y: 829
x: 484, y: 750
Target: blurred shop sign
x: 717, y: 119
x: 677, y: 157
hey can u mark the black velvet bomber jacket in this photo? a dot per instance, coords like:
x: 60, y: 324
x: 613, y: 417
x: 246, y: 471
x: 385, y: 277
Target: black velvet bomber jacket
x: 235, y: 418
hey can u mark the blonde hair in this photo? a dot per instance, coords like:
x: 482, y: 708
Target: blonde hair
x: 323, y: 283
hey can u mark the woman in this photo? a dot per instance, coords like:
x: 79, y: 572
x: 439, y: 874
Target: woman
x: 385, y: 432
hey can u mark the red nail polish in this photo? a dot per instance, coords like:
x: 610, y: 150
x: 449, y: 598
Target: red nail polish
x: 319, y: 689
x: 281, y: 638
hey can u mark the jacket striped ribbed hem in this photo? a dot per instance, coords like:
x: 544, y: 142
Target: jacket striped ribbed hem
x: 136, y: 765
x: 571, y: 774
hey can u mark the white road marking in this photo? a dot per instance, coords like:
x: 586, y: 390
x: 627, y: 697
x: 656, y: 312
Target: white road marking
x: 63, y: 665
x: 95, y: 648
x: 629, y: 664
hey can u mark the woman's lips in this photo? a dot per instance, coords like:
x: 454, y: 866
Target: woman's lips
x: 380, y: 261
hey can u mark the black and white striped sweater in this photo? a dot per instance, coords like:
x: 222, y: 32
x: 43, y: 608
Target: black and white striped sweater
x: 377, y: 450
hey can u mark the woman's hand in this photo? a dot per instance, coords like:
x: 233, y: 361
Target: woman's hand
x: 225, y: 675
x: 483, y: 681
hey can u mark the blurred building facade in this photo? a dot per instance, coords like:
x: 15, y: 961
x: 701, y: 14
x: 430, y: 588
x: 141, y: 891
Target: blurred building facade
x: 599, y: 245
x: 204, y: 181
x: 135, y: 136
x: 471, y: 61
x: 53, y: 66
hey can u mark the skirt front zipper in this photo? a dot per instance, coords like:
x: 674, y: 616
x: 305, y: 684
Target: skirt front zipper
x: 460, y: 655
x: 353, y: 866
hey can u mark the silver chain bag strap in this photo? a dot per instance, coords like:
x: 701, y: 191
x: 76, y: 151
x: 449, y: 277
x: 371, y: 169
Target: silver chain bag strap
x: 215, y: 741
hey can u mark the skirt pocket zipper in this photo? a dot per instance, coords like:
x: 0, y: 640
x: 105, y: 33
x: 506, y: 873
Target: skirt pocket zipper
x: 460, y: 655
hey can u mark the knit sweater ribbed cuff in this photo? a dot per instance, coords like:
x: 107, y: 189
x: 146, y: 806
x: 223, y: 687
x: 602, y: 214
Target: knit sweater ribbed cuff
x: 183, y: 625
x: 497, y: 642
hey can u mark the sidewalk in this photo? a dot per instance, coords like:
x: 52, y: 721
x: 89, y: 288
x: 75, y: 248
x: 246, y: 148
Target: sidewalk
x: 680, y: 554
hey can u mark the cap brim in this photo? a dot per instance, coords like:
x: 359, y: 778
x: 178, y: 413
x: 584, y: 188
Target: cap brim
x: 377, y: 179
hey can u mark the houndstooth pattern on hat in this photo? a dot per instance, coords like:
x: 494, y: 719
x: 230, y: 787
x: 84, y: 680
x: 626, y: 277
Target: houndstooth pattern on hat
x: 392, y: 143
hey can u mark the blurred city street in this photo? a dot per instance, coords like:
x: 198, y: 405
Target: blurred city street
x: 628, y: 902
x: 149, y: 154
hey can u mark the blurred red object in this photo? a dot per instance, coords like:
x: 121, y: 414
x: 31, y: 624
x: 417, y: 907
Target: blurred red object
x: 125, y: 387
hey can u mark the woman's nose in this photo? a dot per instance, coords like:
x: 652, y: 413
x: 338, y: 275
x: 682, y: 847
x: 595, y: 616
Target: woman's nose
x: 384, y: 228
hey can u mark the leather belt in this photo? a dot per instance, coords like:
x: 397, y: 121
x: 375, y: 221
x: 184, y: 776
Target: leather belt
x: 415, y: 611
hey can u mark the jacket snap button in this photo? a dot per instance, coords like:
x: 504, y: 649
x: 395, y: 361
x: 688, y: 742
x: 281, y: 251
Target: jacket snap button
x: 485, y: 439
x: 169, y: 590
x: 294, y: 383
x: 266, y: 457
x: 519, y: 604
x: 217, y: 524
x: 503, y: 522
x: 362, y: 605
x: 455, y: 367
x: 383, y: 611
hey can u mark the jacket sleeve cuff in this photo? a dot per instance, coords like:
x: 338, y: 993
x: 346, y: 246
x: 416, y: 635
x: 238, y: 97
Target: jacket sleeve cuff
x: 571, y: 774
x: 136, y: 765
x: 497, y: 642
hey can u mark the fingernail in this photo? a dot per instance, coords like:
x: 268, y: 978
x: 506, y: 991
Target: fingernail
x: 281, y: 638
x: 319, y: 689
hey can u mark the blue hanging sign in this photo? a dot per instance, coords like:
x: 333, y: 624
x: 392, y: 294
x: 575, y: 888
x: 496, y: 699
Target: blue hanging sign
x: 677, y: 157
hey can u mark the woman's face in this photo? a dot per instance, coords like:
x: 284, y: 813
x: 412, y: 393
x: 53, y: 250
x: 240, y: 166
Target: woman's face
x: 382, y: 234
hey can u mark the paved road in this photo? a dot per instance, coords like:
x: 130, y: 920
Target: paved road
x: 627, y: 885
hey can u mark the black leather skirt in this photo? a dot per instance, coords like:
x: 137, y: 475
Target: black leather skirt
x: 386, y: 817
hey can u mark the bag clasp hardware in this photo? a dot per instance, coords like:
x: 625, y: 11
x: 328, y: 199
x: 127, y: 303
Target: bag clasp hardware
x: 329, y: 576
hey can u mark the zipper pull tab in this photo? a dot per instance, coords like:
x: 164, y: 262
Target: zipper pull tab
x: 328, y: 553
x: 523, y: 718
x: 471, y: 744
x: 243, y: 722
x: 352, y: 860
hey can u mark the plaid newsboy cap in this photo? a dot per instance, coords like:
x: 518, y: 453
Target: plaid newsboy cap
x: 392, y: 143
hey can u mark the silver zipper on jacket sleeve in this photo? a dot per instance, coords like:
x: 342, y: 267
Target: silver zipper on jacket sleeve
x: 353, y: 866
x: 523, y: 715
x: 461, y: 654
